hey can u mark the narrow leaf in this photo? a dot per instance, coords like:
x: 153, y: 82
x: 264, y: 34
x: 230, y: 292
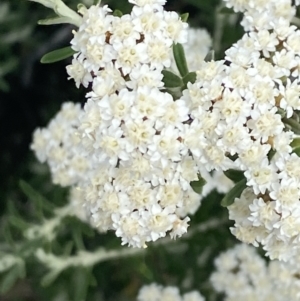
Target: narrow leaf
x: 234, y: 175
x: 297, y: 151
x: 198, y: 185
x: 53, y: 21
x: 57, y: 55
x: 281, y: 112
x: 210, y: 56
x: 189, y: 78
x: 226, y: 10
x: 271, y: 154
x: 10, y: 279
x: 22, y: 270
x: 184, y: 17
x: 50, y: 278
x: 35, y: 196
x: 171, y: 80
x: 235, y: 192
x: 7, y: 234
x: 292, y: 124
x: 180, y: 59
x: 81, y: 280
x: 295, y: 143
x: 18, y: 222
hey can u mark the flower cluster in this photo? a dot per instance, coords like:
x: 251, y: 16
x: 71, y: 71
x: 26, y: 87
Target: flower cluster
x: 245, y: 109
x: 57, y: 144
x: 241, y: 274
x: 128, y: 141
x: 155, y: 292
x: 263, y: 14
x: 124, y: 52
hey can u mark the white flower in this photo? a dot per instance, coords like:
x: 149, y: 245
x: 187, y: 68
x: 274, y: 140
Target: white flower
x: 123, y: 29
x: 290, y: 100
x: 250, y: 156
x: 145, y: 76
x: 265, y: 125
x: 239, y: 211
x: 262, y: 177
x: 130, y: 55
x: 174, y: 29
x: 264, y: 41
x: 272, y: 281
x: 263, y: 213
x: 155, y: 292
x: 285, y: 61
x: 148, y: 20
x: 77, y: 71
x: 150, y: 292
x: 145, y: 2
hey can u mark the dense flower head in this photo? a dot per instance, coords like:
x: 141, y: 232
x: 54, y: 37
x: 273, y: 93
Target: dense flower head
x: 134, y: 148
x: 130, y: 133
x: 263, y: 14
x: 111, y: 51
x: 141, y: 196
x: 155, y: 292
x: 58, y: 144
x: 243, y: 110
x: 241, y: 274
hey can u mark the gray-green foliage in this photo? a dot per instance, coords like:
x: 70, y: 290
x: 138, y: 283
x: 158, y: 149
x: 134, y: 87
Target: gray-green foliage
x: 13, y: 30
x: 186, y: 262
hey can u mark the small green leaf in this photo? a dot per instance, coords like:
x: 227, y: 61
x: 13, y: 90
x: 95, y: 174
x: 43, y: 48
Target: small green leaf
x: 54, y: 20
x: 57, y: 55
x: 6, y: 230
x: 295, y: 143
x: 117, y: 13
x: 271, y: 154
x: 174, y: 92
x: 198, y: 185
x: 226, y: 10
x: 22, y: 270
x: 234, y: 175
x: 297, y: 151
x: 292, y: 124
x: 77, y: 237
x: 171, y: 80
x: 189, y: 78
x: 235, y: 192
x: 180, y: 59
x: 281, y: 112
x: 184, y: 17
x: 18, y: 222
x: 210, y: 56
x: 29, y: 247
x: 50, y: 277
x: 68, y: 248
x: 35, y: 196
x: 80, y: 279
x: 10, y: 278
